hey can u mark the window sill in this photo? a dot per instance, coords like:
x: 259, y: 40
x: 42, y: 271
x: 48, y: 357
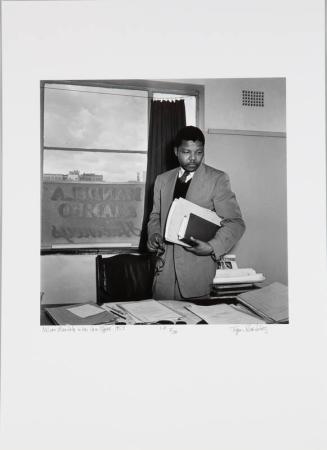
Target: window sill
x: 89, y: 251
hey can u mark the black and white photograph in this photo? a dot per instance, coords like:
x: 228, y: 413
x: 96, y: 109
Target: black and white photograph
x: 164, y: 225
x: 149, y: 187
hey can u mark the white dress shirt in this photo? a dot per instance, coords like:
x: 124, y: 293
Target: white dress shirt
x: 189, y: 176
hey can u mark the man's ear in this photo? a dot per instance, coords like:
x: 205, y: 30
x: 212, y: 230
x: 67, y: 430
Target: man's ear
x: 176, y: 151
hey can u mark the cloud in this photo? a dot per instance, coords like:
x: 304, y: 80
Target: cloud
x: 95, y: 120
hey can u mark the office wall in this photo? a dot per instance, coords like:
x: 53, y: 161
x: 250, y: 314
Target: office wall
x: 68, y: 278
x: 223, y: 106
x: 256, y: 165
x: 257, y: 168
x: 224, y: 110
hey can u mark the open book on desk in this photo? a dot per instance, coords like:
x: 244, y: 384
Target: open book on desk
x: 150, y: 311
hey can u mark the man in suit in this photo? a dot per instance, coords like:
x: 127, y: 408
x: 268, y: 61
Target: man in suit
x: 188, y: 271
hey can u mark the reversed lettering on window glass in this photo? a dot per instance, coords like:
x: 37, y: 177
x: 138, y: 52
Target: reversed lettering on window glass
x: 75, y: 212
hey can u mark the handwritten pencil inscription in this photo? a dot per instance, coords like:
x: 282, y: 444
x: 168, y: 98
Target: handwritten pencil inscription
x: 238, y: 329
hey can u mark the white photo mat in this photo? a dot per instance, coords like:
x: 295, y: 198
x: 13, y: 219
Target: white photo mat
x: 149, y: 387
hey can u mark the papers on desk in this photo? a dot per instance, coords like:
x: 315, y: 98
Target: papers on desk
x: 177, y: 307
x: 85, y: 310
x: 270, y: 302
x: 222, y: 314
x: 180, y: 307
x: 150, y: 311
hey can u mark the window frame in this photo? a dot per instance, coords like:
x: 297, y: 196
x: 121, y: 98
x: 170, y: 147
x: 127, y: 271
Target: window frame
x: 152, y: 87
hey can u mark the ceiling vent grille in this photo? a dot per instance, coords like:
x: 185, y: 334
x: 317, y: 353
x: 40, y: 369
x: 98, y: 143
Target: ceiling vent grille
x: 253, y: 98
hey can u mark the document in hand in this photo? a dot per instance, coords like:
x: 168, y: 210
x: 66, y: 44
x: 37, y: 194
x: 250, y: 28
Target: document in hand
x: 197, y: 227
x: 178, y: 218
x: 270, y: 302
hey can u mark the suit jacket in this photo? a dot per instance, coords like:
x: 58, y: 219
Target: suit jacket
x: 211, y: 189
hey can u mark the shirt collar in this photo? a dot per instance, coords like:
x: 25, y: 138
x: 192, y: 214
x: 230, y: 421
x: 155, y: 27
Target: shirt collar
x: 189, y: 176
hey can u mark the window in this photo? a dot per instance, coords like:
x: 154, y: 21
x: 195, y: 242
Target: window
x: 94, y: 162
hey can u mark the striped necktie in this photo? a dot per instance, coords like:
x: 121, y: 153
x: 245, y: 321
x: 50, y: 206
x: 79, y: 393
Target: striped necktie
x: 182, y: 179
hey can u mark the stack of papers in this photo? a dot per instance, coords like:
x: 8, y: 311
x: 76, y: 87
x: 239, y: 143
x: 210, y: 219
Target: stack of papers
x: 150, y: 311
x: 270, y: 302
x: 180, y: 307
x: 234, y: 276
x: 222, y: 314
x: 224, y: 291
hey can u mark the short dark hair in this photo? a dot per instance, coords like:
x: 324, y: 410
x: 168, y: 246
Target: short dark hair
x: 189, y: 133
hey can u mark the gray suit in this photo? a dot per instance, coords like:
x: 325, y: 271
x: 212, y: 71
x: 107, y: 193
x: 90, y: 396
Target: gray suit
x: 209, y: 188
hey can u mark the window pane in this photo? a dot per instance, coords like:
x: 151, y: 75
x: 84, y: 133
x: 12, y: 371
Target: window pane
x: 92, y: 198
x: 113, y: 167
x: 93, y: 117
x: 190, y: 104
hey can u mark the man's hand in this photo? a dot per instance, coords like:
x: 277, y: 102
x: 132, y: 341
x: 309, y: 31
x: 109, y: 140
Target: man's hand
x: 155, y: 242
x: 200, y: 248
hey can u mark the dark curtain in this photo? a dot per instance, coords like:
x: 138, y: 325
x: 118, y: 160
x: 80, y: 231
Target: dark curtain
x: 166, y: 118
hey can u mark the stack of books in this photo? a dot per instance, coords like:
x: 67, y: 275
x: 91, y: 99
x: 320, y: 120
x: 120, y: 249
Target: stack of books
x: 227, y: 291
x: 230, y: 282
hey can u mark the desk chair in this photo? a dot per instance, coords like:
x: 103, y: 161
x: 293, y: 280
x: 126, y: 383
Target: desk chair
x: 124, y: 277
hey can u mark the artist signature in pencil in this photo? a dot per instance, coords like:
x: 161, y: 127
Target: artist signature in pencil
x: 236, y: 329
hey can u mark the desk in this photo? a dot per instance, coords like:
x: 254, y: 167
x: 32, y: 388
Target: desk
x: 177, y: 305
